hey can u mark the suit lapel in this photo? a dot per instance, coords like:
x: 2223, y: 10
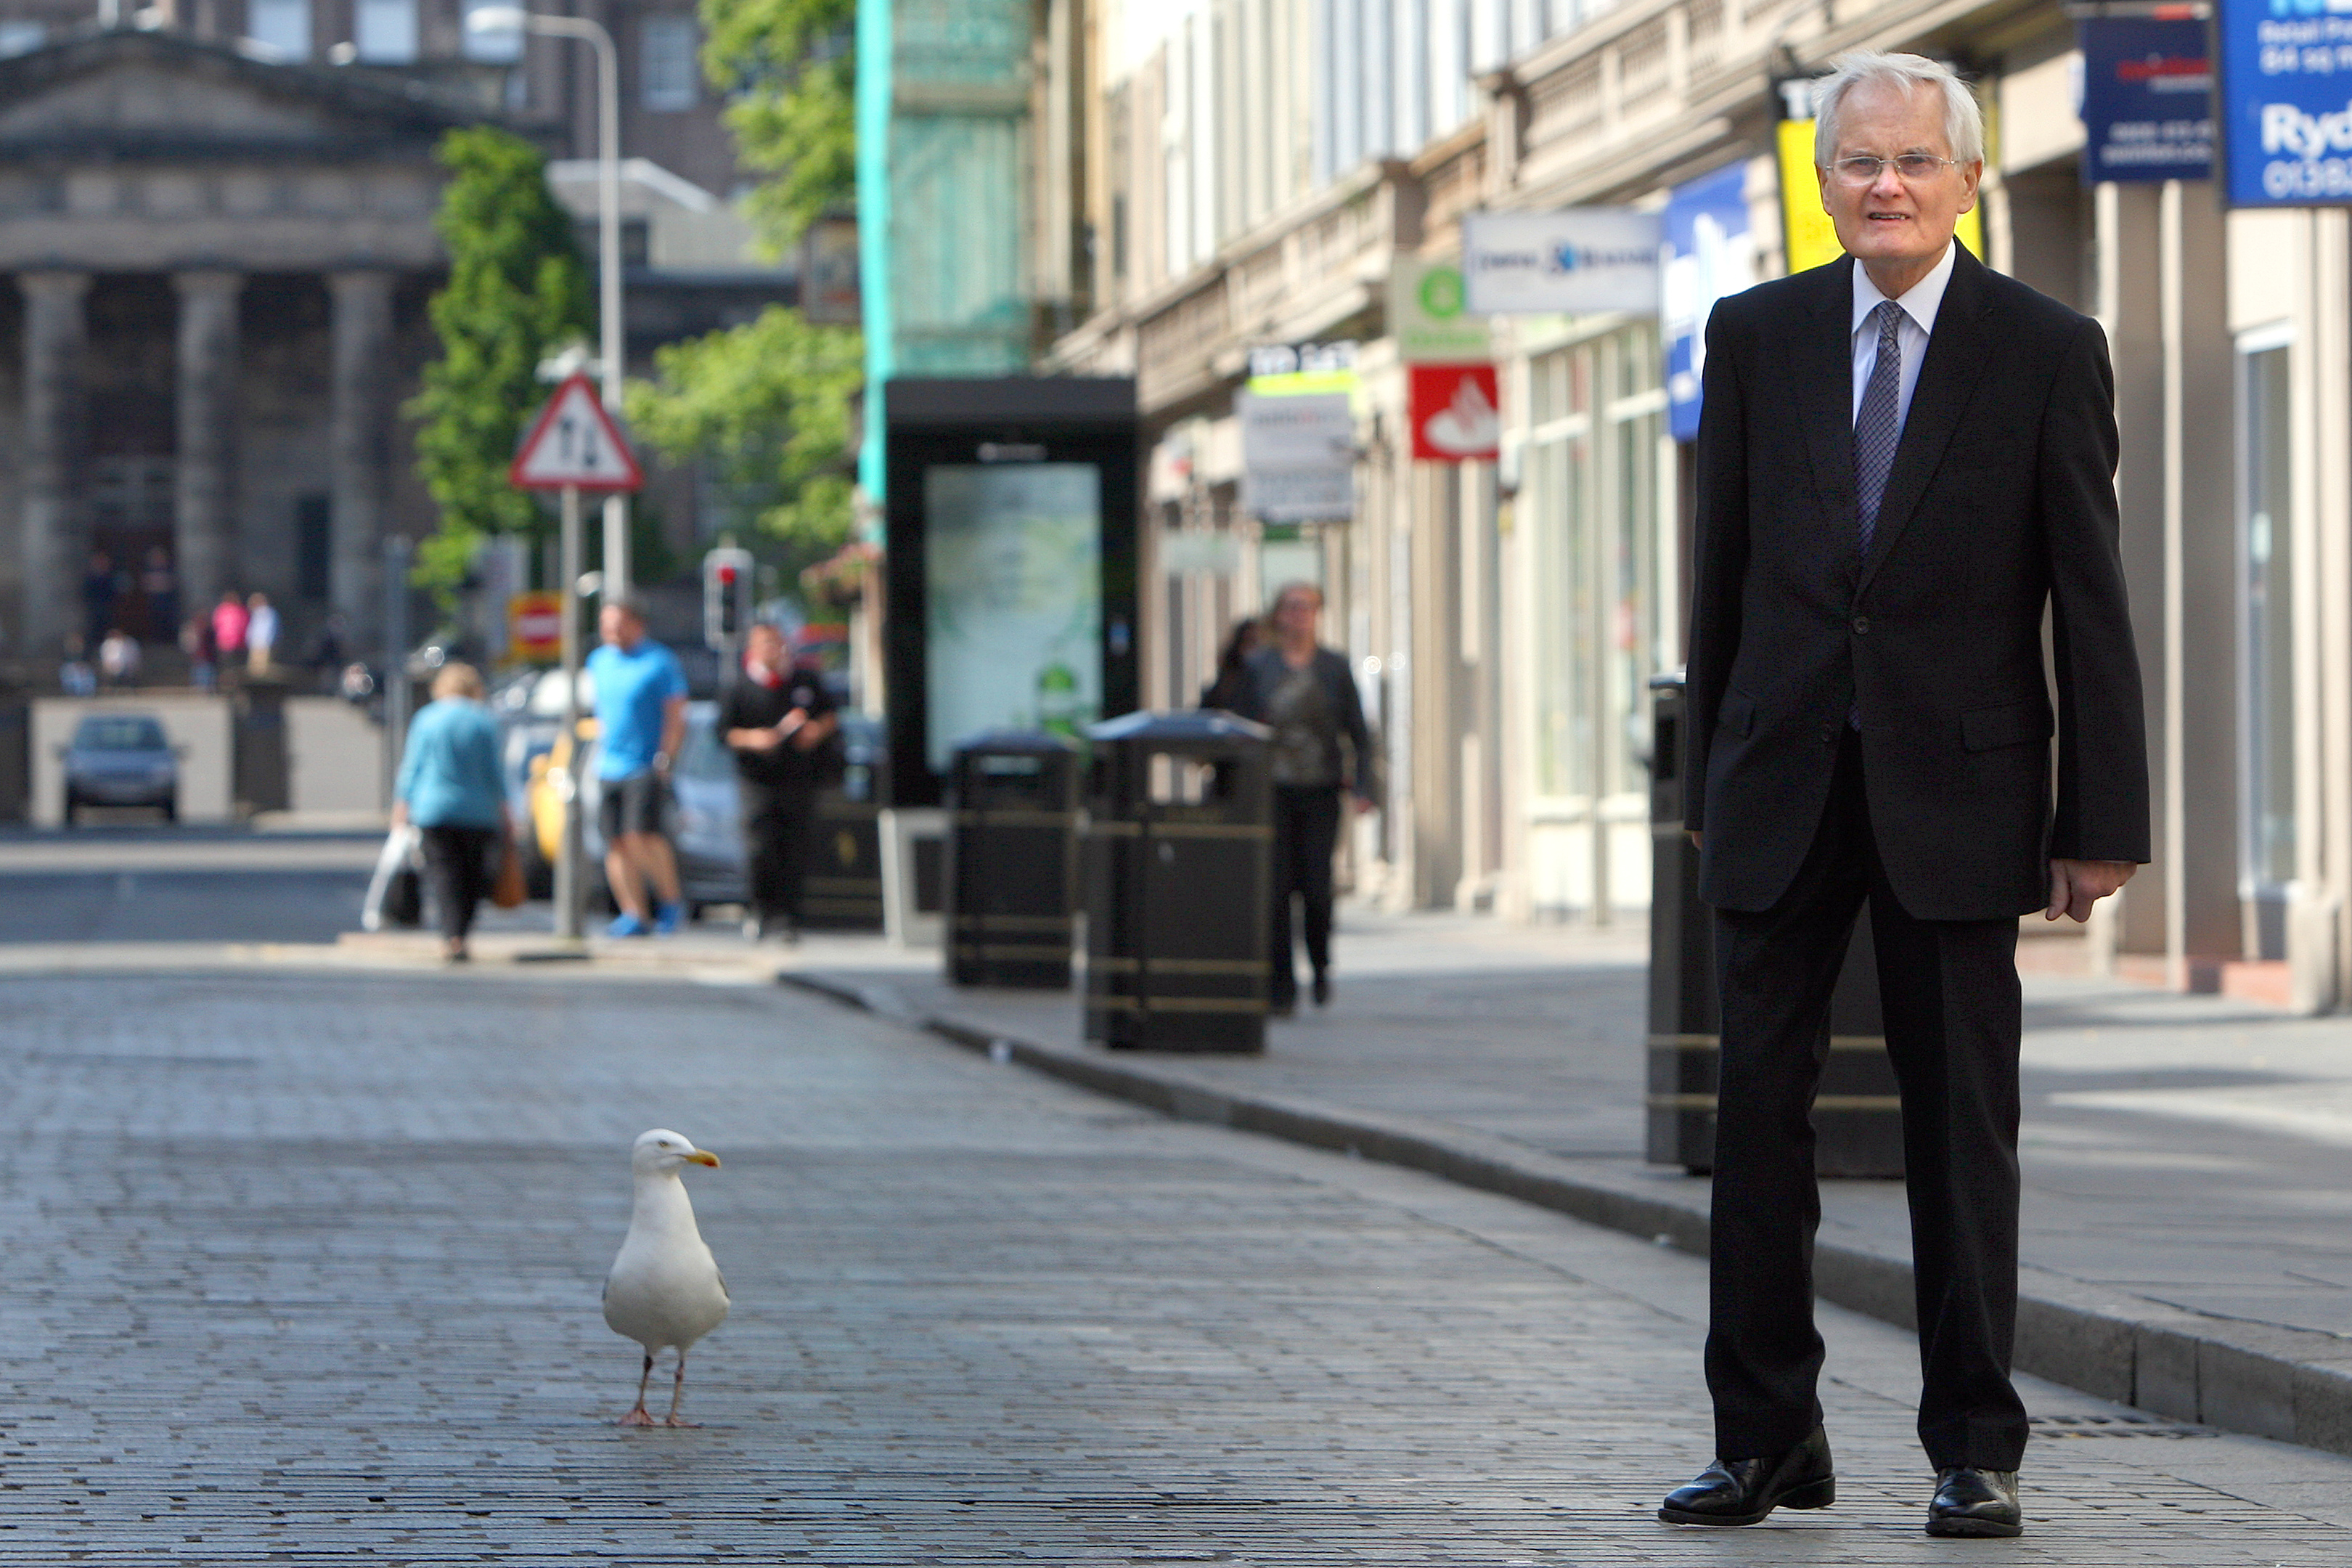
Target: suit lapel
x: 1957, y: 351
x: 1823, y: 373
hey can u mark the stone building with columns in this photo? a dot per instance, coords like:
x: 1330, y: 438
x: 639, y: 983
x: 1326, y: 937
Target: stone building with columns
x: 218, y: 223
x: 220, y: 269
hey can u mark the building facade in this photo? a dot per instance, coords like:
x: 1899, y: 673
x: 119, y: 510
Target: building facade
x: 219, y: 222
x: 1254, y: 172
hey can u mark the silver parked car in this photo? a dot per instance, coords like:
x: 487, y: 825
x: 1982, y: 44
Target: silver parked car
x: 122, y: 759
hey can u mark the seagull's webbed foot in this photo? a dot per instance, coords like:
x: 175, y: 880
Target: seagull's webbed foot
x: 641, y: 1416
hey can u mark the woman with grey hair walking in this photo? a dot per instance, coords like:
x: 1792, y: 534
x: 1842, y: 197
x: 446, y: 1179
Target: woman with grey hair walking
x: 450, y: 788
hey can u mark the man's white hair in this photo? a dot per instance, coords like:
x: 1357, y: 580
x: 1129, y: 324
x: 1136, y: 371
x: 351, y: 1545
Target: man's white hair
x: 1963, y: 120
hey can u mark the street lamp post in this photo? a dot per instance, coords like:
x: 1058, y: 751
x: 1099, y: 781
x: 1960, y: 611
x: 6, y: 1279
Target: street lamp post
x: 492, y: 19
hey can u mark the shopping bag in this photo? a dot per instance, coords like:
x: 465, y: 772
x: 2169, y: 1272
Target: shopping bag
x: 395, y: 894
x: 403, y: 897
x: 507, y: 890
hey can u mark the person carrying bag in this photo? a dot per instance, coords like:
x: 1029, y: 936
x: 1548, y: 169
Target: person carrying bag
x: 450, y: 791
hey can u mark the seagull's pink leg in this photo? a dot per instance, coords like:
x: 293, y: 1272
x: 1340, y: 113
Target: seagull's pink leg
x: 641, y: 1416
x: 677, y: 1393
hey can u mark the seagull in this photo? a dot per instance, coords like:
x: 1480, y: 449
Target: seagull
x: 665, y: 1288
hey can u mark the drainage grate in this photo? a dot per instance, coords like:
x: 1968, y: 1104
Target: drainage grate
x: 2115, y: 1426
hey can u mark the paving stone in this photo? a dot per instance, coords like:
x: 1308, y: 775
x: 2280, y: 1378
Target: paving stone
x: 302, y: 1268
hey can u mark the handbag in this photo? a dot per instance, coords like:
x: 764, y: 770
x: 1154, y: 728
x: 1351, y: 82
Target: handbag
x: 506, y: 889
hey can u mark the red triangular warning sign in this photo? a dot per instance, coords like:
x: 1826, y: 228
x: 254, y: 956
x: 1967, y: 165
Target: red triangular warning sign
x: 574, y: 445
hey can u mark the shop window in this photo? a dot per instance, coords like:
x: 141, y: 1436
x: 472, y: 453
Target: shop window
x: 667, y: 63
x: 2266, y: 644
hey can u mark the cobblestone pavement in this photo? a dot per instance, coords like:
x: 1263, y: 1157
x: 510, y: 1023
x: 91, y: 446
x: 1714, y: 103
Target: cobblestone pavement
x: 2210, y: 1122
x: 302, y: 1267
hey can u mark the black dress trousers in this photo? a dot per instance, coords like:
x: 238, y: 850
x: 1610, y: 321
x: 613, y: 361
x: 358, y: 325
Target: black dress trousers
x: 1951, y: 999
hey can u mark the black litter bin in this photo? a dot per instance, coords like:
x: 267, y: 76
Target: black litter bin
x: 1177, y: 870
x: 1012, y: 815
x: 1857, y: 1115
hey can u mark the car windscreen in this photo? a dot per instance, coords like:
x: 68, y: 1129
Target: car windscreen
x: 120, y: 734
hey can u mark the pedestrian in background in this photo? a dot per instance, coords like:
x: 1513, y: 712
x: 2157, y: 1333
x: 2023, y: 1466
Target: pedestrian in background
x: 196, y: 645
x: 1231, y: 689
x: 776, y: 720
x: 118, y: 658
x: 1904, y: 460
x: 75, y: 677
x: 260, y: 633
x: 1307, y: 694
x: 160, y: 587
x: 100, y: 586
x: 640, y: 724
x: 449, y: 787
x: 230, y: 620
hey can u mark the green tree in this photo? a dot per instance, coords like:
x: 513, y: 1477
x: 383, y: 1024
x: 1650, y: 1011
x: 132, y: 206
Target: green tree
x: 516, y: 290
x: 790, y: 69
x: 764, y: 410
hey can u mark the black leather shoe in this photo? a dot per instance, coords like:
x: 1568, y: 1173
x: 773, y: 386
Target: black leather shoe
x: 1742, y: 1491
x: 1322, y: 991
x: 1975, y: 1502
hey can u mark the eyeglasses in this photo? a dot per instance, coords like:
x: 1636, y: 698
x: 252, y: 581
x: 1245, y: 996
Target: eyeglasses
x: 1913, y: 167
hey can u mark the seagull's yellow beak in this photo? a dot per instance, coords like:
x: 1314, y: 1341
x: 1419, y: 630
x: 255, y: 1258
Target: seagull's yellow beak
x: 703, y: 1157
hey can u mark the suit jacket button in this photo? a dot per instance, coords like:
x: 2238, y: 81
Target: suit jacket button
x: 1861, y: 624
x: 1829, y: 734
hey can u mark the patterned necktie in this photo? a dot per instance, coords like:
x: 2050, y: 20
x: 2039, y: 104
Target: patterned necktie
x: 1879, y: 426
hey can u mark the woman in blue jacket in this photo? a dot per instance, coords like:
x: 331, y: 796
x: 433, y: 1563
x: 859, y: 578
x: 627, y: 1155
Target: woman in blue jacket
x: 450, y: 788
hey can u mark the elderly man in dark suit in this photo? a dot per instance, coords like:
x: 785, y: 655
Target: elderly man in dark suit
x: 1903, y: 459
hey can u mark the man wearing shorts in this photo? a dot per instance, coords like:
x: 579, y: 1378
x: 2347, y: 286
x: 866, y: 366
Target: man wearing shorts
x: 640, y: 723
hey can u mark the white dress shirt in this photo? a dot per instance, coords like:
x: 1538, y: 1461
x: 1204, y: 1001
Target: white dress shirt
x: 1919, y: 305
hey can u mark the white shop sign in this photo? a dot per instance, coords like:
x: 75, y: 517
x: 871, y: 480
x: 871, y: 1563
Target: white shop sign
x: 1579, y: 261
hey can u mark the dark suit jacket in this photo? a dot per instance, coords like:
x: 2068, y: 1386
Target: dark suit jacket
x: 2001, y: 500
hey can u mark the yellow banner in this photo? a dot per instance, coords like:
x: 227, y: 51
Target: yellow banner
x: 1812, y: 238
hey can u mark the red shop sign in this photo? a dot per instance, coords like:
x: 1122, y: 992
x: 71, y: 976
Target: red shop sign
x: 1454, y: 413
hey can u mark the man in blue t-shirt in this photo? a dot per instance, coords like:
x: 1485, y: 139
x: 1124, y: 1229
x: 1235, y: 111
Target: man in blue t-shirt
x: 640, y: 724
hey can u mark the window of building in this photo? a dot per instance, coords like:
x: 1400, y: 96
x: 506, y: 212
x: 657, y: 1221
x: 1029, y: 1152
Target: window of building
x: 667, y: 63
x: 2266, y: 647
x: 385, y: 32
x: 1594, y: 503
x: 313, y: 548
x: 492, y: 45
x: 283, y: 26
x: 22, y: 37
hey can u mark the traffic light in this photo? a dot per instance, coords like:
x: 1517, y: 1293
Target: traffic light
x: 726, y: 596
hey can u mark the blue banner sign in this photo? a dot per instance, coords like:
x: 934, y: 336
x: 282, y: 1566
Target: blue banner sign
x: 2147, y: 99
x: 2286, y: 101
x: 1710, y: 254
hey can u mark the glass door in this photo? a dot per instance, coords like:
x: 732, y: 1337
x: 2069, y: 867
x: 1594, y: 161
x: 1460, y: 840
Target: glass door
x: 2266, y: 770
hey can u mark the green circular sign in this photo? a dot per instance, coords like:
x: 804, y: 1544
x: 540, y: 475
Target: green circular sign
x: 1441, y: 293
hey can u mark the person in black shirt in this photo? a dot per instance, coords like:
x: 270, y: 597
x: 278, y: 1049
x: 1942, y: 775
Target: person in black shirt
x: 775, y: 720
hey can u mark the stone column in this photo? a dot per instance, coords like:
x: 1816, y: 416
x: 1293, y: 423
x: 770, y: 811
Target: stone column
x: 57, y: 337
x: 204, y: 528
x: 361, y: 442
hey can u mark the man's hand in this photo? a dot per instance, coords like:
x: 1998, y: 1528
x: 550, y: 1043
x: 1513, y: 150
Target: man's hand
x: 1698, y: 840
x: 2076, y: 885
